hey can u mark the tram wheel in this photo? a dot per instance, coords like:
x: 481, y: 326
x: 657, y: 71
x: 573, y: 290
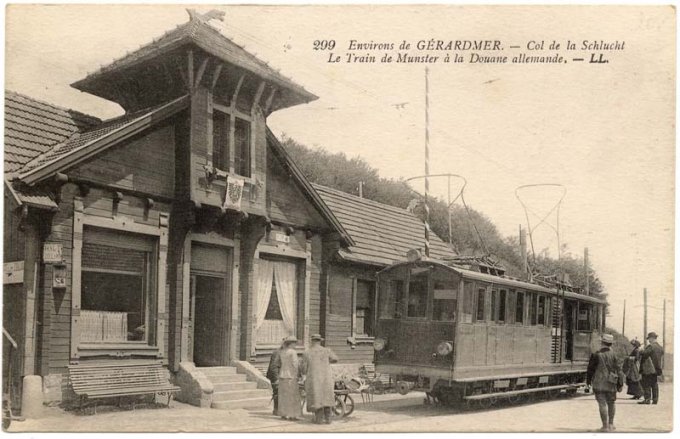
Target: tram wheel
x: 516, y: 399
x: 554, y: 393
x: 486, y: 403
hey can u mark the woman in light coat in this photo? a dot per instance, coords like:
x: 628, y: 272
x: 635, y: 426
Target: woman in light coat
x: 290, y: 404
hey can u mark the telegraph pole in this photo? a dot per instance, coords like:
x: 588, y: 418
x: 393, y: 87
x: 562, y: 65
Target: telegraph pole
x: 645, y: 305
x: 623, y: 328
x: 427, y: 163
x: 663, y: 330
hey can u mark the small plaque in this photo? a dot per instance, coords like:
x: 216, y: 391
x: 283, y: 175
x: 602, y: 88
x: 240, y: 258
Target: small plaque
x: 281, y: 237
x: 13, y: 272
x: 52, y: 253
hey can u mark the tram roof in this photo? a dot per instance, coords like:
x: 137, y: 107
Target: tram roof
x: 501, y: 280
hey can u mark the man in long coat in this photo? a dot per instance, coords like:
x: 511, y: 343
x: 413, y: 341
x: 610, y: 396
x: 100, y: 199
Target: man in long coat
x: 319, y: 385
x: 273, y: 376
x: 650, y: 375
x: 605, y: 376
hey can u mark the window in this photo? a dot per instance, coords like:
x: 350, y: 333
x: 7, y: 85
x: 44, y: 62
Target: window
x: 494, y: 304
x: 468, y: 302
x: 273, y: 309
x: 221, y: 132
x: 363, y: 308
x: 481, y: 299
x: 583, y: 321
x: 519, y: 308
x: 417, y: 293
x: 444, y: 302
x: 117, y: 287
x: 531, y: 304
x: 541, y: 310
x: 391, y: 300
x: 242, y: 147
x: 223, y: 123
x: 502, y: 304
x: 548, y: 311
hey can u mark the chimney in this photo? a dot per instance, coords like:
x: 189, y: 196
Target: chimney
x: 361, y: 189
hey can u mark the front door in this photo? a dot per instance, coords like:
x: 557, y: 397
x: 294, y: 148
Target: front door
x: 210, y: 311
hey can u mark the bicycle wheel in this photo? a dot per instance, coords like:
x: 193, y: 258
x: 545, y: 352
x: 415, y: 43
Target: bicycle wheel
x: 339, y: 408
x: 349, y: 404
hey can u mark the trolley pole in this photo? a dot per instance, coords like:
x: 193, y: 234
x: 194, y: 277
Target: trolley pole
x: 645, y: 305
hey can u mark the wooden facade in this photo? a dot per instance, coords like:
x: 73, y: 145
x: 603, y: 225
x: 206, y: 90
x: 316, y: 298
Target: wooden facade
x: 153, y: 264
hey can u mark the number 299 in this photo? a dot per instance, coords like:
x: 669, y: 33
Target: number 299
x: 324, y: 44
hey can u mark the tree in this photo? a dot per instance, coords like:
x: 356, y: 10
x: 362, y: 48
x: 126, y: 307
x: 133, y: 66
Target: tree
x: 472, y: 232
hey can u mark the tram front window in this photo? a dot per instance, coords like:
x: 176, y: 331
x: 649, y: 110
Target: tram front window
x: 444, y: 303
x: 417, y: 293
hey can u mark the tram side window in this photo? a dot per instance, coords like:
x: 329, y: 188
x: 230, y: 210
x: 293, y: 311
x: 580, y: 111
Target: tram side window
x: 502, y: 304
x: 468, y: 302
x: 391, y: 300
x: 583, y: 322
x: 548, y: 311
x: 531, y: 308
x: 492, y: 307
x: 417, y: 294
x: 519, y: 308
x: 481, y: 300
x: 444, y: 302
x: 541, y: 310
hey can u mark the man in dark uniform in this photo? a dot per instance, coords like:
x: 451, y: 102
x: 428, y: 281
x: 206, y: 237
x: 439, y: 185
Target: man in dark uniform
x: 606, y: 378
x: 650, y: 376
x: 273, y: 376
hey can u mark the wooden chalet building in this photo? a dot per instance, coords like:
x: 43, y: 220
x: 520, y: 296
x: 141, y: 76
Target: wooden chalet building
x: 381, y: 235
x: 180, y: 234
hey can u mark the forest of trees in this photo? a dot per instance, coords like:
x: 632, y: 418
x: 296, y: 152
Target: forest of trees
x: 338, y: 171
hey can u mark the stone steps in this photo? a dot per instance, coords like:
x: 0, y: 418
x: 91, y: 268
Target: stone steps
x: 233, y: 391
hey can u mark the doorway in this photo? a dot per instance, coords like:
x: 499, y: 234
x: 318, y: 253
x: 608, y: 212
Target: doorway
x: 210, y: 308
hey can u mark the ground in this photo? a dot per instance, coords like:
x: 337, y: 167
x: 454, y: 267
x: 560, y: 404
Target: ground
x: 387, y: 413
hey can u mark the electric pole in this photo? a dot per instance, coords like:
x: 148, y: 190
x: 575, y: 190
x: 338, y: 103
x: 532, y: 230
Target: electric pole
x: 623, y: 329
x: 645, y: 305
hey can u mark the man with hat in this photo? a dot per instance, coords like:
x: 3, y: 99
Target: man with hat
x: 606, y: 378
x: 273, y: 376
x: 651, y: 364
x: 319, y: 385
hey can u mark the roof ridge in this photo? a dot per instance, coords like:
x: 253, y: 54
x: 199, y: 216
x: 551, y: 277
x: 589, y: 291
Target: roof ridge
x: 51, y: 105
x: 364, y: 200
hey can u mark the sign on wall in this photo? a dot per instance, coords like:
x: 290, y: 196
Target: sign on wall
x: 281, y: 237
x: 13, y: 272
x: 52, y: 253
x: 233, y: 193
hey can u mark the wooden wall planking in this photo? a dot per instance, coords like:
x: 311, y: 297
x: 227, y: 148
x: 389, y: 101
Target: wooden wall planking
x: 145, y: 163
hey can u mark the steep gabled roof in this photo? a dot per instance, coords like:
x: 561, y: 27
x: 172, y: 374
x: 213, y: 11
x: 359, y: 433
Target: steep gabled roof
x: 33, y: 127
x: 82, y: 145
x: 307, y: 187
x: 199, y: 32
x: 382, y: 234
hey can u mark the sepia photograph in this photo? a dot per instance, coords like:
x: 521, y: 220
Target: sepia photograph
x: 338, y: 218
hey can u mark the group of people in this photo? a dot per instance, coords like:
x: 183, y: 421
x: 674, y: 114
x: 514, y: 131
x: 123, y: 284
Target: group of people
x: 641, y: 371
x: 286, y: 372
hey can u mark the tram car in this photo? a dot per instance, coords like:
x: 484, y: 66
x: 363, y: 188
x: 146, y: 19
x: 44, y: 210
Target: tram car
x: 462, y: 331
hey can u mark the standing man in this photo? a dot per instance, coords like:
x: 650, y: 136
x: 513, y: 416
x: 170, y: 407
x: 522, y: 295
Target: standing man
x: 651, y: 365
x: 273, y: 376
x: 606, y: 378
x: 319, y: 385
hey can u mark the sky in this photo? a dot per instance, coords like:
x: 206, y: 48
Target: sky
x: 604, y: 132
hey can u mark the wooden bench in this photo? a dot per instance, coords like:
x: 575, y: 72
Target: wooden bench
x: 118, y: 379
